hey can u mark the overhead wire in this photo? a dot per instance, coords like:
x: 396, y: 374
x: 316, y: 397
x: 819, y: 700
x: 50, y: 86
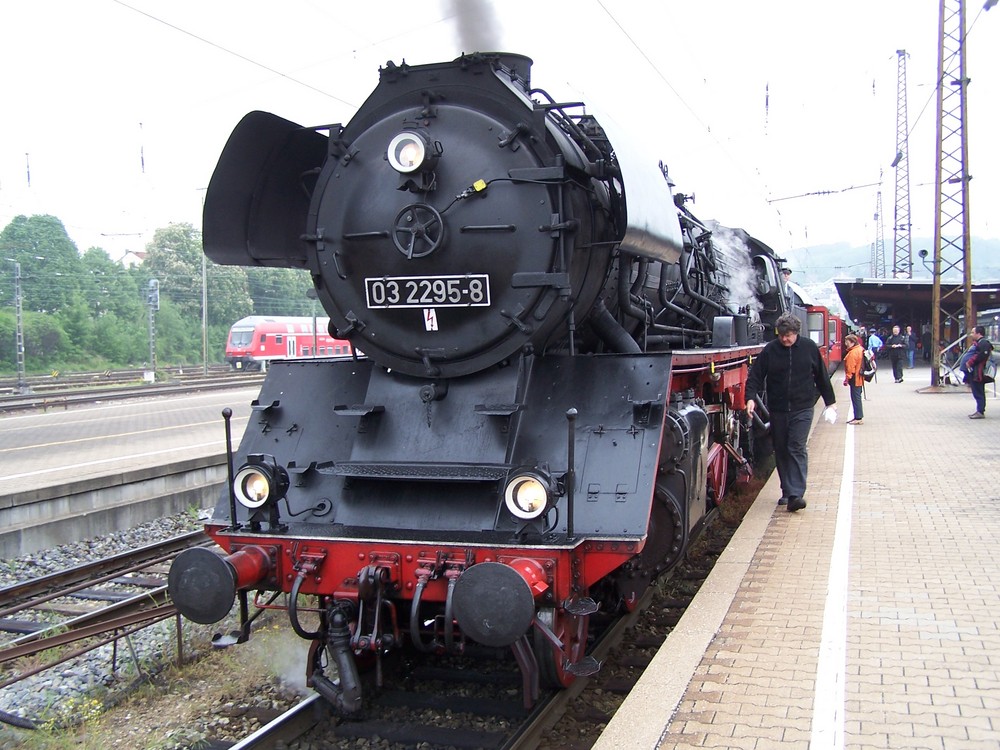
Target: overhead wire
x: 707, y: 128
x: 228, y: 51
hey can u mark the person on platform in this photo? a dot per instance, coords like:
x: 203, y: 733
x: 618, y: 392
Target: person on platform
x: 911, y: 347
x: 874, y: 342
x: 791, y: 372
x: 896, y: 344
x: 974, y: 364
x: 854, y: 365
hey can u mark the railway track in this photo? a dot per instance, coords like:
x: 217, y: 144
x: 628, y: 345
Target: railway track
x: 69, y: 613
x: 65, y: 395
x: 70, y: 380
x: 466, y: 705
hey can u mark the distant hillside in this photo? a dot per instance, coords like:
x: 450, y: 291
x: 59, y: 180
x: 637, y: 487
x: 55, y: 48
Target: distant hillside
x: 820, y: 263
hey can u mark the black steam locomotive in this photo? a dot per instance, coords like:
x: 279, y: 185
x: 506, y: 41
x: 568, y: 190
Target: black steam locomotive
x: 547, y: 409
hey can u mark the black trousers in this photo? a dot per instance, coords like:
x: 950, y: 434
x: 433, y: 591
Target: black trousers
x: 790, y: 431
x: 897, y: 368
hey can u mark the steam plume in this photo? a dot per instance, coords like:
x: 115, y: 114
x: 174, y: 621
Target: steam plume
x: 477, y: 27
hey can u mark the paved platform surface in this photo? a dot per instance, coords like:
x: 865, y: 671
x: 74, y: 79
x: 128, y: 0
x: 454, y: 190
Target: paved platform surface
x: 867, y: 620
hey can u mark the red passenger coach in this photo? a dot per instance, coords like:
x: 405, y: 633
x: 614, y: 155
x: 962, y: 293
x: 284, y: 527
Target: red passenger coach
x: 827, y: 330
x: 258, y: 339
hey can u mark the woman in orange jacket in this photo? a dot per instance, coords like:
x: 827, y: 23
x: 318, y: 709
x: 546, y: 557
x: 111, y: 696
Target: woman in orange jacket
x: 854, y: 364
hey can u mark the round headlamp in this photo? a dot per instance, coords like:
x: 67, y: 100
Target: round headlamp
x: 407, y: 152
x: 256, y: 483
x: 527, y: 496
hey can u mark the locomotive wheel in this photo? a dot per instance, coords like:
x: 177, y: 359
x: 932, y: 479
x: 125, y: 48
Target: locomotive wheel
x: 572, y: 631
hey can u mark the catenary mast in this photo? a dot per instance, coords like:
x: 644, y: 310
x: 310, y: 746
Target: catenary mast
x: 902, y: 260
x: 878, y: 247
x: 952, y: 246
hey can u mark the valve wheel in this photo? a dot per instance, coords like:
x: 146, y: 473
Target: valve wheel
x: 418, y: 230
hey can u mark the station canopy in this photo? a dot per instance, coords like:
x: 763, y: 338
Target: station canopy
x: 888, y: 302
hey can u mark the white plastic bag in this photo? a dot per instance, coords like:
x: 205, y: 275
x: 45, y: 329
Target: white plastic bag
x: 830, y: 414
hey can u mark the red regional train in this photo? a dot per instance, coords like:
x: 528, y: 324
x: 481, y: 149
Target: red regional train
x: 259, y: 339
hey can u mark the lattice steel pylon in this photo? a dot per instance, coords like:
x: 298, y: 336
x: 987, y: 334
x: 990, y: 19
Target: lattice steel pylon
x: 902, y: 258
x: 878, y: 247
x: 952, y: 246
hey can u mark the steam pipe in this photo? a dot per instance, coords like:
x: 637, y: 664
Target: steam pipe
x: 672, y: 306
x: 346, y: 695
x: 611, y: 332
x: 625, y: 292
x: 686, y: 283
x: 641, y: 276
x: 676, y: 338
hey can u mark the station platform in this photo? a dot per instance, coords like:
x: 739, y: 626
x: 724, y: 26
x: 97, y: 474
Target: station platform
x: 870, y: 619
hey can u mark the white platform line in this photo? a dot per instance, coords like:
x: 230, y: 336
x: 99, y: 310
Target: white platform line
x: 831, y: 671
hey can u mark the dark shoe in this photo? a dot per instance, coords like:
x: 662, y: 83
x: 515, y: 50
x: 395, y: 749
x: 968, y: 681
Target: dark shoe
x: 795, y: 503
x: 977, y: 415
x: 782, y: 500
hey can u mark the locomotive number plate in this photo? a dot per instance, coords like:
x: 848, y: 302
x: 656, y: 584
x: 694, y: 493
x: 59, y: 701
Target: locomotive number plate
x: 467, y: 290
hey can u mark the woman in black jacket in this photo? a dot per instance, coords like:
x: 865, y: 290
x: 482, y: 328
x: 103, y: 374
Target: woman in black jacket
x: 791, y: 372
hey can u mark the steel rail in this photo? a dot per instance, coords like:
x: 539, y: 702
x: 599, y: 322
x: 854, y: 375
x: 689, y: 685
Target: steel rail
x: 66, y: 398
x: 286, y: 728
x: 102, y: 626
x: 19, y: 596
x: 112, y: 630
x: 142, y: 608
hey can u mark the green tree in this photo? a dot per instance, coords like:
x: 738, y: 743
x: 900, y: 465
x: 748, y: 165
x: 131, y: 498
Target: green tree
x: 45, y: 342
x: 51, y: 270
x: 121, y: 342
x: 88, y: 311
x: 228, y: 296
x: 8, y: 333
x: 174, y: 258
x: 280, y: 291
x: 178, y: 336
x: 111, y: 289
x: 77, y: 322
